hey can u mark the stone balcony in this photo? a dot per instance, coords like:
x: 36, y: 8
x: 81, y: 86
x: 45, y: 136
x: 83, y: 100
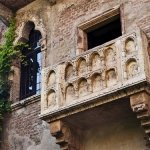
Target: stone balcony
x: 116, y: 69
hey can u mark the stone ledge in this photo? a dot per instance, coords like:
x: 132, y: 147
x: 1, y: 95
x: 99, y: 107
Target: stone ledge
x: 94, y: 102
x: 25, y: 102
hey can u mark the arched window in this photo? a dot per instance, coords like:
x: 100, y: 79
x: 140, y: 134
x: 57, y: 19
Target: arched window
x: 30, y: 82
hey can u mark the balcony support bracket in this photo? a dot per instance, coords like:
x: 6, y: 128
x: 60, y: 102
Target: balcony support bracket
x: 66, y: 138
x: 140, y: 104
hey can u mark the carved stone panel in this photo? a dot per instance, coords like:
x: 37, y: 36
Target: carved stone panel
x: 96, y: 62
x: 51, y: 78
x: 69, y: 72
x: 132, y: 68
x: 83, y: 87
x: 70, y: 93
x: 111, y: 77
x: 110, y: 57
x: 97, y: 82
x: 130, y: 46
x: 51, y: 98
x: 82, y: 66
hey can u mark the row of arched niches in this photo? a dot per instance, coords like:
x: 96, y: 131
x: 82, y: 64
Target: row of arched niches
x: 93, y: 72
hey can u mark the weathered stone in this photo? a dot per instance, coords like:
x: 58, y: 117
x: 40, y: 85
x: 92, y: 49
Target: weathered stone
x: 85, y: 94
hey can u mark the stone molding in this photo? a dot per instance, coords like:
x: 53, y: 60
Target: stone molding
x: 92, y: 102
x: 25, y: 102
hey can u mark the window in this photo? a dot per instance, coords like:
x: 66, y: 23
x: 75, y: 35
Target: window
x: 98, y: 30
x: 104, y: 32
x: 31, y: 67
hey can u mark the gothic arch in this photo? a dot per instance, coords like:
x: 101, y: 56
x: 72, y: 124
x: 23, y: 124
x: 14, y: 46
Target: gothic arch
x: 25, y: 27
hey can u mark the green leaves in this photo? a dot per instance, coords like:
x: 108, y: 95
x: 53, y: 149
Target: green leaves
x: 8, y: 53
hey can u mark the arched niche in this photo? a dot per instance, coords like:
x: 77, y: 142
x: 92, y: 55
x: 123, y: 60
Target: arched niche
x: 95, y: 61
x: 130, y: 45
x: 70, y: 93
x: 51, y: 98
x: 51, y: 80
x: 69, y: 72
x: 110, y: 56
x: 83, y: 87
x: 132, y: 68
x: 111, y: 77
x: 97, y: 82
x: 82, y: 66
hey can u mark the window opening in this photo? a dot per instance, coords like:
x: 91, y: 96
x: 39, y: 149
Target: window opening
x: 104, y: 32
x: 31, y: 67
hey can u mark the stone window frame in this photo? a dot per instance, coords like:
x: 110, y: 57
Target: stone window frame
x: 22, y: 36
x: 81, y: 40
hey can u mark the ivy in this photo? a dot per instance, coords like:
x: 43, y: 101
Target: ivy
x: 8, y: 53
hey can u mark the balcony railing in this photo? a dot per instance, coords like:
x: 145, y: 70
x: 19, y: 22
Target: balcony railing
x: 113, y: 66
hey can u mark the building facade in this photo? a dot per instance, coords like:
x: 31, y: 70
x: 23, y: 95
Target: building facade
x: 86, y: 82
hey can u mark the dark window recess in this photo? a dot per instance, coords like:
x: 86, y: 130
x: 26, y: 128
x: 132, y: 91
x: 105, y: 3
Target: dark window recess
x: 104, y: 32
x: 31, y: 67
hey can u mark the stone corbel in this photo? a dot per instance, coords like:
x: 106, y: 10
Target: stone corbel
x: 140, y: 104
x: 64, y: 135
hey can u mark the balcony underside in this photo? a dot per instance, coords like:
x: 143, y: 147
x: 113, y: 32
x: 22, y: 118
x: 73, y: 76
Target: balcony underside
x: 101, y: 115
x: 17, y: 4
x: 103, y: 127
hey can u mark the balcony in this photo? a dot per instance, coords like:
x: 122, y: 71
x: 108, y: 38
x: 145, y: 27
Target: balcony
x: 105, y: 73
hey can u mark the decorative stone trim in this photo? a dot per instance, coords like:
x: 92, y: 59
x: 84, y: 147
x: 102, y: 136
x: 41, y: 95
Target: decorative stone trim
x: 89, y: 103
x: 25, y: 102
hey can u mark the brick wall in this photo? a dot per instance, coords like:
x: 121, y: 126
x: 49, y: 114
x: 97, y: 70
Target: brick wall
x: 61, y: 21
x: 23, y: 129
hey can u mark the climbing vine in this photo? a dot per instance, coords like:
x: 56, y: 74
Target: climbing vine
x: 8, y: 52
